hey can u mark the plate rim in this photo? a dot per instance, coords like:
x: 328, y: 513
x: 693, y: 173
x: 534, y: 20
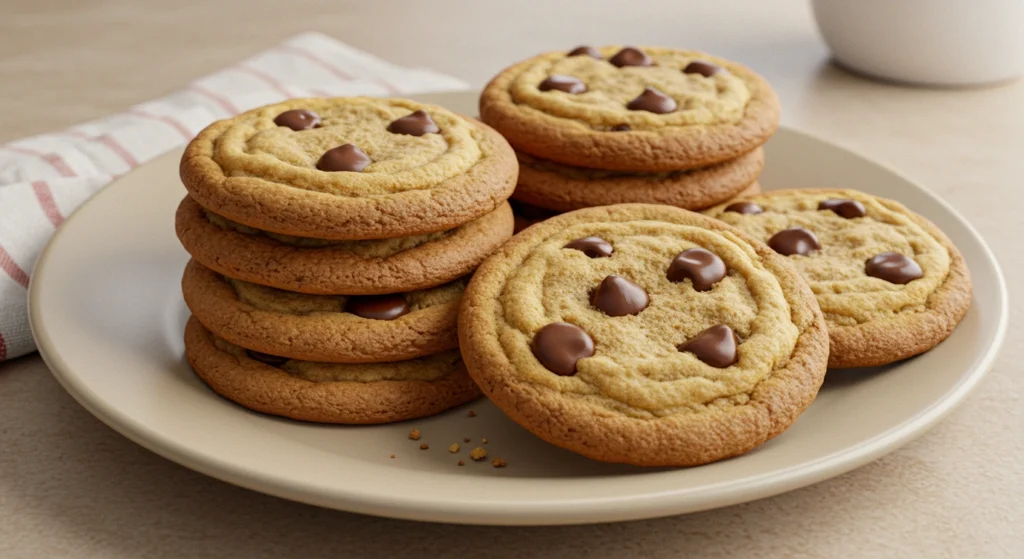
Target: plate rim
x: 665, y: 502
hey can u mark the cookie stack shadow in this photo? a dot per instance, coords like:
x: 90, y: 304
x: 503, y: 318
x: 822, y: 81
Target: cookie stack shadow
x: 620, y: 125
x: 328, y: 259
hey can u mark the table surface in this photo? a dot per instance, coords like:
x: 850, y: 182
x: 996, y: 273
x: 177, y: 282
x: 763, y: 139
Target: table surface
x: 71, y: 487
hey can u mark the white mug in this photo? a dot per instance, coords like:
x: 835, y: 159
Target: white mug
x: 927, y: 42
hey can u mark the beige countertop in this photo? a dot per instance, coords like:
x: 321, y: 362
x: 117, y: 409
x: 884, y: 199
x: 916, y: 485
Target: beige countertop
x: 71, y: 487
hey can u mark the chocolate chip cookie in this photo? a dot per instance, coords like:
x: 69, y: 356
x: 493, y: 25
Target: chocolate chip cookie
x: 321, y: 266
x: 349, y: 168
x: 643, y: 109
x: 328, y: 392
x: 563, y: 188
x: 643, y: 334
x: 330, y: 328
x: 890, y: 284
x: 528, y: 214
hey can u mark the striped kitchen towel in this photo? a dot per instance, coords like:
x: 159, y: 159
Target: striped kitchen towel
x: 45, y: 177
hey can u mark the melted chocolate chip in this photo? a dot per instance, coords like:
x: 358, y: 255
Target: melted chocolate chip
x: 416, y: 124
x: 344, y: 158
x: 567, y: 84
x: 795, y: 240
x: 594, y: 247
x: 653, y: 101
x: 702, y: 267
x: 586, y: 51
x: 893, y: 267
x: 559, y: 345
x: 845, y: 208
x: 748, y: 208
x: 617, y: 296
x: 377, y: 307
x: 298, y: 119
x: 272, y: 360
x: 715, y: 346
x: 621, y: 128
x: 630, y: 56
x: 705, y: 69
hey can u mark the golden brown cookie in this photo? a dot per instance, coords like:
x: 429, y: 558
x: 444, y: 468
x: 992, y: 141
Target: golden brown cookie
x: 321, y: 267
x: 649, y: 109
x: 526, y: 214
x: 328, y: 392
x: 643, y: 334
x: 330, y: 328
x: 349, y: 168
x: 890, y: 284
x: 563, y: 188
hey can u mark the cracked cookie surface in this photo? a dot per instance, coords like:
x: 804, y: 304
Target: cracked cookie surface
x: 328, y: 392
x: 872, y: 320
x: 329, y: 328
x: 349, y: 168
x: 586, y: 330
x: 652, y: 113
x: 319, y: 266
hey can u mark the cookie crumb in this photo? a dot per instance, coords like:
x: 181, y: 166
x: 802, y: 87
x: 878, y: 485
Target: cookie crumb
x: 498, y: 463
x: 454, y: 448
x: 478, y: 453
x: 465, y: 439
x: 392, y: 455
x: 461, y: 463
x: 471, y: 413
x: 424, y: 446
x: 414, y: 434
x: 483, y: 440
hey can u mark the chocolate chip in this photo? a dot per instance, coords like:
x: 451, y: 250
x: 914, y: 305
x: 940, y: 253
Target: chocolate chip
x: 653, y: 101
x: 715, y: 346
x: 298, y: 119
x: 705, y: 69
x: 559, y: 345
x: 748, y: 208
x: 893, y: 267
x: 344, y: 158
x: 567, y: 84
x: 594, y: 247
x: 621, y: 128
x: 272, y: 360
x: 630, y: 56
x: 377, y: 307
x: 617, y: 296
x: 416, y: 124
x: 585, y: 50
x: 702, y: 267
x: 845, y: 208
x: 795, y: 240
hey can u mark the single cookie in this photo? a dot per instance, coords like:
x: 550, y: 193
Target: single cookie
x: 330, y: 328
x: 328, y: 392
x: 562, y: 188
x: 627, y: 109
x: 526, y: 214
x: 890, y: 284
x: 349, y: 168
x: 323, y: 267
x: 643, y: 334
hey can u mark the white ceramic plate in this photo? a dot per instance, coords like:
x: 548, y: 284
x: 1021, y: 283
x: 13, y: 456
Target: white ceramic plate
x: 108, y: 317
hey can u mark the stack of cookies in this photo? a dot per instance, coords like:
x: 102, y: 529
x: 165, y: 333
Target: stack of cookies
x: 599, y: 126
x: 331, y: 242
